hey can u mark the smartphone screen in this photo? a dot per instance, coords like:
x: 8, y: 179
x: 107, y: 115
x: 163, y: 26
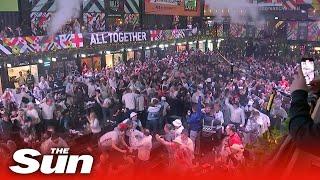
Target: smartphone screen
x: 307, y: 66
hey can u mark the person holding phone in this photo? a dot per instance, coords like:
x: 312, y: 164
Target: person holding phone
x: 304, y: 131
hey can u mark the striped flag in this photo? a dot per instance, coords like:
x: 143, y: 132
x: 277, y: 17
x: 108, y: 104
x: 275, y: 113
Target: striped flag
x: 156, y: 35
x: 314, y: 31
x: 132, y: 6
x: 289, y: 4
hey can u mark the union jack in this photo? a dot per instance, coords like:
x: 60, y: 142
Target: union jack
x: 156, y: 35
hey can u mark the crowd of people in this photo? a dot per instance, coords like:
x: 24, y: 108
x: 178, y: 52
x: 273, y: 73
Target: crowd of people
x: 186, y: 105
x: 9, y: 32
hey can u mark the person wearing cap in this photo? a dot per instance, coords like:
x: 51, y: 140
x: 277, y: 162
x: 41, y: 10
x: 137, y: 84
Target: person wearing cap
x: 136, y: 123
x: 113, y: 141
x: 182, y: 151
x: 178, y: 127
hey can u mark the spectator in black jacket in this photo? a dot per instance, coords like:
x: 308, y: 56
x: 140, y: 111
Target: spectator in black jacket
x: 302, y: 128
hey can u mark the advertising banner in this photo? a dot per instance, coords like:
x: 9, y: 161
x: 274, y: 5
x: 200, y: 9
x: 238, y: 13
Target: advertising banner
x: 38, y: 44
x: 115, y: 37
x: 173, y: 7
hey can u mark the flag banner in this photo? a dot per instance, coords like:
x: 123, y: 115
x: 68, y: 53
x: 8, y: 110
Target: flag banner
x: 161, y: 35
x: 303, y: 31
x: 132, y: 19
x: 132, y: 7
x: 237, y: 30
x: 91, y: 6
x: 44, y: 5
x: 95, y: 22
x: 39, y: 22
x: 314, y: 31
x: 173, y: 7
x: 36, y: 44
x: 220, y: 30
x: 292, y: 31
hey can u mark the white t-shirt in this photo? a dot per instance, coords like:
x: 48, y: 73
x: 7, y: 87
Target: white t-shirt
x: 106, y: 139
x: 136, y: 123
x: 129, y: 100
x: 134, y: 137
x: 91, y: 90
x: 186, y: 144
x: 219, y: 116
x: 34, y: 115
x: 47, y: 111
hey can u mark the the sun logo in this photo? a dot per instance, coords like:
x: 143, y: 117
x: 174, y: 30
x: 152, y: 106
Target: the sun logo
x: 65, y: 164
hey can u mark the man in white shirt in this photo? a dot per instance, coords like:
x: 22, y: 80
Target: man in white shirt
x: 135, y: 136
x: 237, y: 114
x: 47, y: 112
x: 184, y: 141
x: 33, y: 114
x: 92, y: 88
x: 128, y: 100
x: 112, y: 140
x: 43, y: 84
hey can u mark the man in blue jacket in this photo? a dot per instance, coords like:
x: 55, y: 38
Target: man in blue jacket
x: 195, y: 125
